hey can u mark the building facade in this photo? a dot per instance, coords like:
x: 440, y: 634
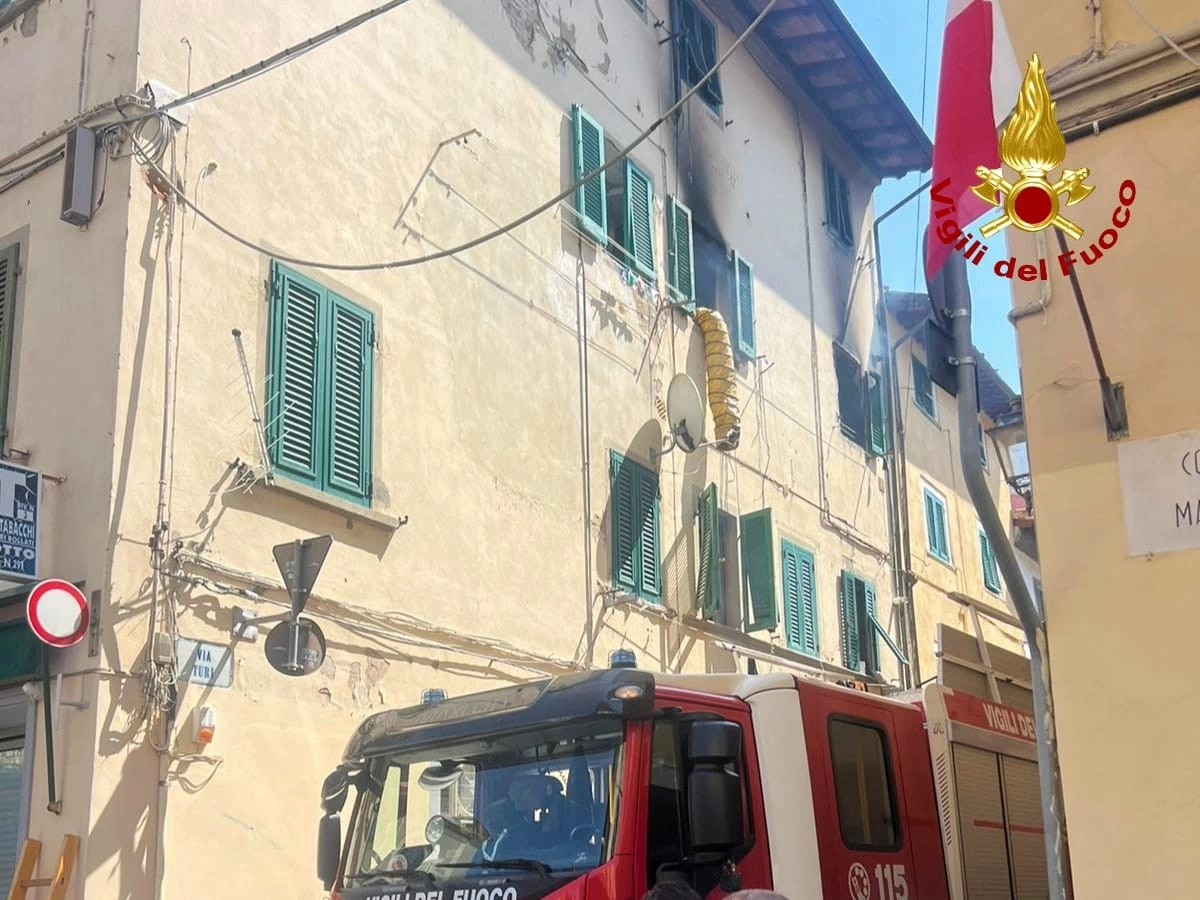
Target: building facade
x: 1113, y: 491
x: 483, y: 435
x: 953, y: 575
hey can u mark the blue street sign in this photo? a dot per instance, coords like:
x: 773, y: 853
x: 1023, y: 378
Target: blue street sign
x: 20, y: 499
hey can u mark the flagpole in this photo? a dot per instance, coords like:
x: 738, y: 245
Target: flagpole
x: 955, y: 297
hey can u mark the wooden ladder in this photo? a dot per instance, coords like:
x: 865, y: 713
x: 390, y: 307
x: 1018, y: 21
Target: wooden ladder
x: 23, y: 878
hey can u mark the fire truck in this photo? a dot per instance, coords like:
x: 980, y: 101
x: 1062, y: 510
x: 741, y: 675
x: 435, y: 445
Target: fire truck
x: 598, y: 785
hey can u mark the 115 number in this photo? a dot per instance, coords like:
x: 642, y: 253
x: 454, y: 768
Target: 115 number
x: 893, y: 885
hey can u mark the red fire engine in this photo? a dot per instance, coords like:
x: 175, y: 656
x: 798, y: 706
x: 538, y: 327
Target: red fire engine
x: 596, y: 786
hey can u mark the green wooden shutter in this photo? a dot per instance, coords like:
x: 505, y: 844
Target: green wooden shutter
x: 851, y: 657
x: 935, y: 526
x: 758, y: 570
x: 808, y: 603
x: 708, y: 580
x: 9, y: 264
x: 923, y: 388
x: 982, y: 447
x: 623, y: 519
x: 799, y: 599
x: 680, y: 260
x: 793, y: 626
x: 296, y: 370
x: 744, y: 286
x: 991, y: 571
x: 350, y: 364
x: 877, y: 411
x: 650, y: 586
x: 869, y: 632
x: 590, y: 198
x: 639, y: 218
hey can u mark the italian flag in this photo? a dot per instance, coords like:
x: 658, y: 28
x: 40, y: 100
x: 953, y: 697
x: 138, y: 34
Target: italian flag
x: 977, y: 89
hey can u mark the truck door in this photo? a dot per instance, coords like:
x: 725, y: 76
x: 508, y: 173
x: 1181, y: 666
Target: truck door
x: 860, y: 797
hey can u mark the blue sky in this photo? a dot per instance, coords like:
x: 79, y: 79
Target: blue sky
x: 895, y: 33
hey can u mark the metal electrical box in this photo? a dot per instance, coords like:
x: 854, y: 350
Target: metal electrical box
x: 79, y: 179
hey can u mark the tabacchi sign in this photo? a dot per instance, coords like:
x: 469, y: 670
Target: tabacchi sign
x: 1032, y: 145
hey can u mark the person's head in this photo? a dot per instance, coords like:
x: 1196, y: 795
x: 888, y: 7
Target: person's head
x: 671, y: 889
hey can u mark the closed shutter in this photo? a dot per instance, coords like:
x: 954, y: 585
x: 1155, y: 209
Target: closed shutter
x: 651, y: 587
x: 1023, y: 817
x: 680, y: 259
x: 935, y: 526
x: 708, y: 581
x: 11, y: 765
x: 623, y: 516
x: 589, y: 156
x: 294, y: 394
x: 758, y: 570
x: 922, y: 387
x: 744, y: 282
x: 639, y: 218
x: 350, y: 365
x: 799, y: 599
x: 9, y: 263
x: 981, y: 821
x: 851, y: 657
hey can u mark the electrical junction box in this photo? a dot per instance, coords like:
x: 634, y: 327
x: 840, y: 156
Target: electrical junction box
x: 79, y: 179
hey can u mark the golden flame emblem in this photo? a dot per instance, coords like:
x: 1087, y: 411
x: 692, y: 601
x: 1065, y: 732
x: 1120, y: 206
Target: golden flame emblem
x: 1033, y: 145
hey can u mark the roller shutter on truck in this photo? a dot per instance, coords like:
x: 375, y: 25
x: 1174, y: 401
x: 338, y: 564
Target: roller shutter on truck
x: 985, y: 761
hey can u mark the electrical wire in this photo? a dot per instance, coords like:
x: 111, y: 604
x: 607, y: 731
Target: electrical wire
x: 1162, y: 34
x: 482, y: 239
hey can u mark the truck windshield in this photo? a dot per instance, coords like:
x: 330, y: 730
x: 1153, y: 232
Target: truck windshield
x: 522, y: 804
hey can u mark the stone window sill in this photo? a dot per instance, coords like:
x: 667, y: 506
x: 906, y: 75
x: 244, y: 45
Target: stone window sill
x: 371, y: 517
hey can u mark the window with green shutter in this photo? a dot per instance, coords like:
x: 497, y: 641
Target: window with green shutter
x: 590, y: 198
x: 837, y: 203
x: 10, y: 258
x: 860, y: 640
x: 743, y: 279
x: 987, y: 560
x: 877, y: 417
x: 852, y: 405
x: 695, y: 52
x: 923, y: 389
x: 799, y: 599
x: 320, y: 393
x: 639, y: 219
x: 983, y: 457
x: 758, y: 571
x: 937, y: 540
x: 680, y: 267
x: 634, y: 518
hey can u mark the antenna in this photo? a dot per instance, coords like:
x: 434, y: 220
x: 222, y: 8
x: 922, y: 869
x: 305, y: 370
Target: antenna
x: 685, y: 416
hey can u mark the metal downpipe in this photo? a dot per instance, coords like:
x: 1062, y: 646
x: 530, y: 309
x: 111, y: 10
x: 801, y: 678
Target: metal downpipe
x: 951, y: 284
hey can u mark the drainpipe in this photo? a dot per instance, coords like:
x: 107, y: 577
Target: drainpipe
x: 585, y: 441
x: 953, y: 287
x: 897, y: 502
x: 1040, y: 304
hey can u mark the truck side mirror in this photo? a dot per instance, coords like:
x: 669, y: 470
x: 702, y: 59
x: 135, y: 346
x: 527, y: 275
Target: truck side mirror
x: 329, y: 848
x: 714, y: 791
x: 334, y: 790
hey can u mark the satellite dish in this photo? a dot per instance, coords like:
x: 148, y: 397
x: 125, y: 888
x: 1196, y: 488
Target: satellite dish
x: 685, y: 413
x: 295, y: 648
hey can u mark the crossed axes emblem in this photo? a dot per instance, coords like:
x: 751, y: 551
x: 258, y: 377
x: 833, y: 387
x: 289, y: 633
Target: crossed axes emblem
x: 1071, y: 183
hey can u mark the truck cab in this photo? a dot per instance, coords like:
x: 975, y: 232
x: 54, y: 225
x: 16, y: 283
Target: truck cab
x: 599, y: 785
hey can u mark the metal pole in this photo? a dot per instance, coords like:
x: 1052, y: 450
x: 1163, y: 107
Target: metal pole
x: 54, y: 805
x: 958, y: 302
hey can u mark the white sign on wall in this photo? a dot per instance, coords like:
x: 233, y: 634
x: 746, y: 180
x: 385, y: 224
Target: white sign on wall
x: 1160, y: 484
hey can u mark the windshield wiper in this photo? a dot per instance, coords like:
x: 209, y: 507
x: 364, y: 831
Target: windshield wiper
x: 407, y: 875
x: 531, y: 865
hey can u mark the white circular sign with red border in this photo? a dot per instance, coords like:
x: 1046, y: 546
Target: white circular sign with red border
x: 57, y: 613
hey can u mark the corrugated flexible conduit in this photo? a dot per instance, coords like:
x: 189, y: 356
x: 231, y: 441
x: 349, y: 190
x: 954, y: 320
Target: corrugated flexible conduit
x: 721, y: 377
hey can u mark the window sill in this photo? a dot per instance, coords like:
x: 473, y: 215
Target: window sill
x: 945, y: 562
x: 932, y: 417
x: 363, y: 514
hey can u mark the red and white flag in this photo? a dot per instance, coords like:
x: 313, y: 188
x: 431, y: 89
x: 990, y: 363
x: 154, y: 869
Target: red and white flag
x: 977, y: 88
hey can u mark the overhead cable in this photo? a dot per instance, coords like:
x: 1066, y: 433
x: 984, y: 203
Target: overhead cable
x: 491, y: 235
